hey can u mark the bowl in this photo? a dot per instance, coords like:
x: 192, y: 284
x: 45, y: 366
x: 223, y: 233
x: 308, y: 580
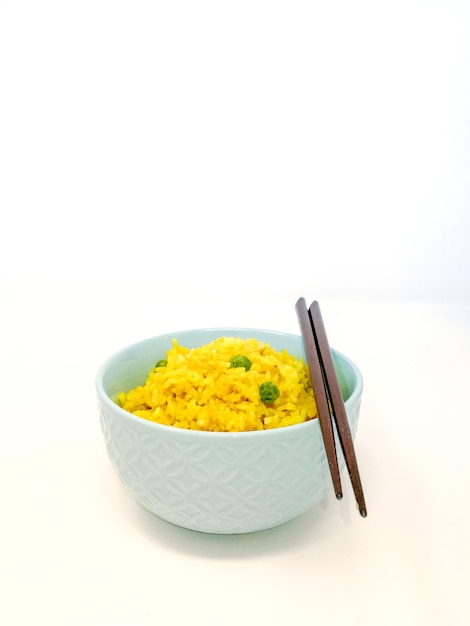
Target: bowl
x: 223, y: 483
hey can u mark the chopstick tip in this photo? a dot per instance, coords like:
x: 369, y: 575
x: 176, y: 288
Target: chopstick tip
x: 301, y: 303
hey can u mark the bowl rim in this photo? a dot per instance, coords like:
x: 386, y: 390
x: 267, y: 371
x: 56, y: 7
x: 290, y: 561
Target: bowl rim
x: 104, y: 398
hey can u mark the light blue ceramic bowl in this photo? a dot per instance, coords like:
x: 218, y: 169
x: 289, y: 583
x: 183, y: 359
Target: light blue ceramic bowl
x: 224, y: 483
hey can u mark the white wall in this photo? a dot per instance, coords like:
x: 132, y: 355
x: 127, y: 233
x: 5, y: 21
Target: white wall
x: 319, y: 147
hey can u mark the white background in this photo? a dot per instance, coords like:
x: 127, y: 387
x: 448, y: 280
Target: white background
x: 166, y: 165
x: 237, y: 144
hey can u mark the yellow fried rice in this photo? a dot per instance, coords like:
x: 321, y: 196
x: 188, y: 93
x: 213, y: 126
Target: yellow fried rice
x: 198, y: 389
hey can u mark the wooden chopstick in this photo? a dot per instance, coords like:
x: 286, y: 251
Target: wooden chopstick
x: 336, y: 408
x: 319, y: 391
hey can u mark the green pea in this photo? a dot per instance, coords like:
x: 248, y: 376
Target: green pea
x: 240, y: 361
x: 268, y: 392
x: 162, y: 363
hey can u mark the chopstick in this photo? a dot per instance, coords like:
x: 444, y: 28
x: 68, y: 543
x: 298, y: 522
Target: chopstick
x: 319, y: 390
x: 329, y: 400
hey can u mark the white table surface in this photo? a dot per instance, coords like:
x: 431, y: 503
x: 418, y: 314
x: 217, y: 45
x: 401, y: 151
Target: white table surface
x: 75, y: 549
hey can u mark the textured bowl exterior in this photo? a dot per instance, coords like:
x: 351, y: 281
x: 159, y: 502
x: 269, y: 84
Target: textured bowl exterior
x: 224, y: 483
